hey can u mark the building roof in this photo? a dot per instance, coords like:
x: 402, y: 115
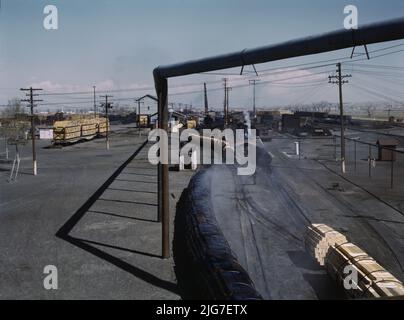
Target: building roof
x: 177, y: 114
x: 148, y: 96
x: 387, y: 142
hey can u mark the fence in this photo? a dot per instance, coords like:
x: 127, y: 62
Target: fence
x: 363, y: 164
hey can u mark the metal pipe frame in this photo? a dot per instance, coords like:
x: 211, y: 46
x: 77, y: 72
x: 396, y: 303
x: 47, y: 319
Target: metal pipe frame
x: 368, y: 34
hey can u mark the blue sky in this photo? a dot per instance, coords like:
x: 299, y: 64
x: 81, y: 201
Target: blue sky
x: 115, y: 44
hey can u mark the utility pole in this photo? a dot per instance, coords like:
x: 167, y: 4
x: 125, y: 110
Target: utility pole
x: 389, y: 110
x: 340, y: 81
x: 31, y: 101
x: 139, y: 101
x: 95, y: 105
x: 108, y: 105
x: 225, y: 101
x: 227, y: 105
x: 254, y: 83
x: 206, y: 99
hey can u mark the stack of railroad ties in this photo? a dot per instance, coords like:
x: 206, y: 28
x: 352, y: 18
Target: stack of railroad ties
x: 80, y: 129
x: 342, y: 258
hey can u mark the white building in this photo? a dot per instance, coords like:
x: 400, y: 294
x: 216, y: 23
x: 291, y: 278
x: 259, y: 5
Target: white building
x: 147, y: 104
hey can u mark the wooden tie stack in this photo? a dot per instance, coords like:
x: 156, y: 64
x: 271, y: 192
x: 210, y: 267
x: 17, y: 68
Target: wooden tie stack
x: 67, y: 129
x: 103, y: 125
x: 359, y: 274
x: 89, y: 127
x: 319, y: 238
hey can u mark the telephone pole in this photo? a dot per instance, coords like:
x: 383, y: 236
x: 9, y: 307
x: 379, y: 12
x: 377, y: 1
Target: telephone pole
x: 254, y: 83
x: 108, y: 105
x: 206, y: 99
x: 95, y: 105
x: 31, y: 101
x: 228, y: 89
x: 340, y: 81
x: 139, y: 101
x: 225, y: 101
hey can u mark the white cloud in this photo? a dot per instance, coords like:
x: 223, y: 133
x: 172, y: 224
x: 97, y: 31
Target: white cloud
x: 48, y: 85
x: 105, y: 85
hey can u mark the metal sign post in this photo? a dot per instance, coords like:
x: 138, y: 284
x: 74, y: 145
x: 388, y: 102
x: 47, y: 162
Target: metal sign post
x: 17, y: 159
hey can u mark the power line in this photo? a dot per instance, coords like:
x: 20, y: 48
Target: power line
x: 309, y: 93
x: 260, y: 83
x: 330, y: 61
x: 385, y: 89
x: 280, y: 82
x: 376, y: 94
x: 375, y: 66
x: 280, y: 70
x: 379, y: 73
x: 378, y: 56
x: 387, y: 48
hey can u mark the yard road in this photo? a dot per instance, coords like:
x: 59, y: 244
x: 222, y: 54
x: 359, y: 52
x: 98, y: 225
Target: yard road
x: 264, y: 218
x: 91, y: 213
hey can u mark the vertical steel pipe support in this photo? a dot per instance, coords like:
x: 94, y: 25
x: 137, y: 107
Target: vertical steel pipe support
x: 163, y: 184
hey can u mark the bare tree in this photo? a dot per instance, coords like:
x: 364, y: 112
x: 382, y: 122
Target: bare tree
x: 13, y: 109
x: 13, y: 125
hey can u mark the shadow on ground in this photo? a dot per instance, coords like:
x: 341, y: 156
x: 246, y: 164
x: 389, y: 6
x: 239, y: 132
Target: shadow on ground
x: 65, y: 231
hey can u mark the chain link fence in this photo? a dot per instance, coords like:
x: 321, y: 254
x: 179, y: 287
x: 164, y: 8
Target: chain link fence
x: 377, y: 169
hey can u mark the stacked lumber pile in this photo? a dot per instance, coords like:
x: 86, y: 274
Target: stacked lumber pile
x: 89, y: 127
x: 320, y: 238
x: 74, y: 130
x: 103, y: 125
x: 359, y: 274
x: 66, y: 130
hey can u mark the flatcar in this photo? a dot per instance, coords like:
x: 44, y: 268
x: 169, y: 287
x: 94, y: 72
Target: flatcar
x: 71, y: 131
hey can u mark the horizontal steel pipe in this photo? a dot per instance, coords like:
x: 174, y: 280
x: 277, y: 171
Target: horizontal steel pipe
x: 336, y: 40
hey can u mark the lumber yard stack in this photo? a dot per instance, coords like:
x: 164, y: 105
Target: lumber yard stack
x: 68, y: 131
x: 103, y: 126
x: 359, y: 274
x: 89, y: 127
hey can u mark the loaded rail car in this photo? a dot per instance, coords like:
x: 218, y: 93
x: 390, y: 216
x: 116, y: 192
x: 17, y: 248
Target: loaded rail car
x: 102, y: 127
x: 71, y: 131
